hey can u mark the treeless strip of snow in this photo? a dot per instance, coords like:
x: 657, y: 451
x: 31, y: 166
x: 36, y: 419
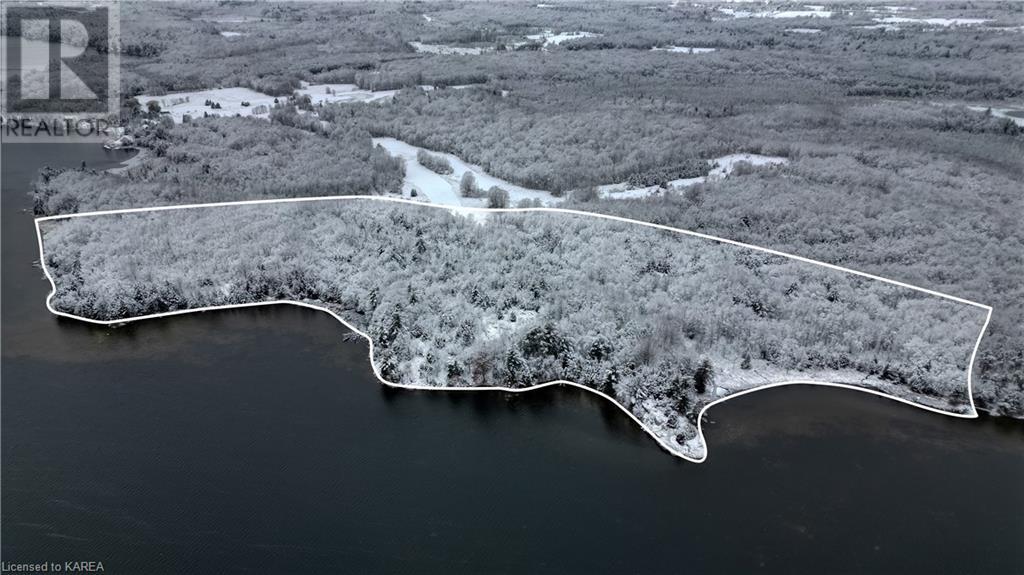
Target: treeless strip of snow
x: 683, y: 49
x: 550, y: 37
x: 722, y: 167
x: 446, y: 49
x: 444, y: 189
x: 932, y: 21
x: 328, y: 93
x: 778, y: 13
x: 1003, y: 113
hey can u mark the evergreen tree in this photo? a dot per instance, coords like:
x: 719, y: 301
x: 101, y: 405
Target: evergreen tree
x: 704, y: 376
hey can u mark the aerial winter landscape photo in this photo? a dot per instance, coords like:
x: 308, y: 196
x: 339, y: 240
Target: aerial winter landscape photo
x: 512, y: 287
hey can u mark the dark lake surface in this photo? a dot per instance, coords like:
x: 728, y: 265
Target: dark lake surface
x: 258, y: 441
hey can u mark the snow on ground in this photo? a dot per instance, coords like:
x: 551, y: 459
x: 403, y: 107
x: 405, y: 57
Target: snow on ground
x: 721, y: 168
x: 446, y: 49
x: 230, y: 100
x: 427, y: 18
x: 228, y: 34
x: 813, y: 11
x: 886, y: 27
x: 444, y: 190
x: 804, y: 30
x: 1002, y: 28
x: 327, y: 93
x: 683, y: 49
x: 726, y: 164
x: 495, y: 328
x: 795, y: 14
x: 550, y: 37
x: 945, y: 22
x: 1014, y: 112
x: 228, y: 19
x: 1016, y: 115
x: 873, y: 9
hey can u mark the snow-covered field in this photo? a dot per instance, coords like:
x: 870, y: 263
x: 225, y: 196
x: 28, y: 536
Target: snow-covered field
x: 877, y: 9
x: 446, y: 49
x: 1016, y: 115
x: 444, y: 190
x: 721, y: 168
x: 682, y: 49
x: 327, y: 93
x: 230, y: 99
x: 944, y: 22
x: 550, y: 37
x: 228, y: 19
x: 804, y: 30
x: 811, y: 11
x: 725, y: 165
x: 229, y: 34
x: 886, y: 27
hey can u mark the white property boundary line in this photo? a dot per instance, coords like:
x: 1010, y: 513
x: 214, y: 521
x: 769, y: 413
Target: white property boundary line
x: 972, y: 414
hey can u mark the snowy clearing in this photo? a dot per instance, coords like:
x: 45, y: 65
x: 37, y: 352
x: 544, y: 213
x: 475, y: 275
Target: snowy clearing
x: 550, y: 37
x: 444, y: 190
x: 727, y: 164
x: 683, y: 49
x: 945, y: 22
x: 327, y: 93
x: 427, y: 18
x: 814, y: 11
x: 875, y: 10
x: 795, y: 14
x: 228, y: 34
x: 886, y: 27
x: 446, y: 49
x: 178, y: 104
x: 1016, y: 115
x: 804, y: 30
x: 228, y: 19
x: 721, y: 168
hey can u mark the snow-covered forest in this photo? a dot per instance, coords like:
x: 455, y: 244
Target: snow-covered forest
x: 894, y: 165
x: 661, y: 321
x: 224, y: 159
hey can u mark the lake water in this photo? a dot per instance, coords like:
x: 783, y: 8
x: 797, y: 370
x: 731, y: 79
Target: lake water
x: 258, y: 441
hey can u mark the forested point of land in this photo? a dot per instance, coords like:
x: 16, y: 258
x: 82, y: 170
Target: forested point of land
x: 663, y: 322
x: 890, y: 172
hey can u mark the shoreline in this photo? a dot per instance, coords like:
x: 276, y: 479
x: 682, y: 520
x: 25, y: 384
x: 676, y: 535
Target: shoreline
x: 647, y: 429
x: 699, y: 441
x: 140, y: 155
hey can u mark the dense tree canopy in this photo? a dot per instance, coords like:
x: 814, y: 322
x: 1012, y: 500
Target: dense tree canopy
x: 664, y: 322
